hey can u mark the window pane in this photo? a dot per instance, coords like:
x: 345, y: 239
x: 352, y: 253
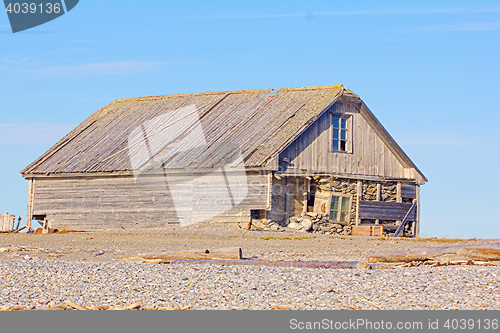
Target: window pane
x: 344, y: 123
x: 343, y: 217
x: 342, y: 145
x: 335, y: 145
x: 335, y: 122
x: 345, y: 204
x: 335, y: 203
x: 335, y: 134
x: 333, y: 215
x: 343, y: 134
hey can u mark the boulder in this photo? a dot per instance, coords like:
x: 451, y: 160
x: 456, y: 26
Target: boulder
x: 307, y: 224
x: 295, y: 225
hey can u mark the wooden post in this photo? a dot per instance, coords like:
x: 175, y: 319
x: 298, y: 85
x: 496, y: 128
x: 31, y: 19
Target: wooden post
x: 379, y: 194
x: 399, y: 198
x: 307, y: 184
x: 269, y: 190
x: 416, y: 227
x: 359, y: 197
x: 31, y: 192
x: 287, y: 198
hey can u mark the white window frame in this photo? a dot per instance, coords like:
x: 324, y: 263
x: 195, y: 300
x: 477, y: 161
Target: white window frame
x: 348, y: 129
x: 342, y: 198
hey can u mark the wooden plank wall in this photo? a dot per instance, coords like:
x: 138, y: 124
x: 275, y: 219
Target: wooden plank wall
x: 408, y: 190
x: 7, y: 222
x: 370, y: 156
x: 384, y: 210
x: 114, y: 202
x: 278, y: 210
x: 296, y: 187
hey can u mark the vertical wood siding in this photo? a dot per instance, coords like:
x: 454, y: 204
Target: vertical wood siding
x: 97, y: 203
x: 370, y: 156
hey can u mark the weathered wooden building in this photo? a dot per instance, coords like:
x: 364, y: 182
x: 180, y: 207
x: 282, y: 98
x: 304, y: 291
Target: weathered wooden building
x: 272, y: 153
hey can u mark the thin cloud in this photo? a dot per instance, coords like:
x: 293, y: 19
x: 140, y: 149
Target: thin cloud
x: 27, y: 68
x: 375, y: 12
x: 464, y: 27
x: 110, y: 67
x: 31, y: 134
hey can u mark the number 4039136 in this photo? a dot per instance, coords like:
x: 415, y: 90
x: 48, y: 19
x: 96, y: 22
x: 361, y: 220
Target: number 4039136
x: 33, y: 8
x: 485, y: 324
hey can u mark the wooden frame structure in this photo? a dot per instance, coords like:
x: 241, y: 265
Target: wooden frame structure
x: 86, y: 181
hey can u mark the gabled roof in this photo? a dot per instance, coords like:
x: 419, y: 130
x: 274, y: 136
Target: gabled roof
x: 262, y: 123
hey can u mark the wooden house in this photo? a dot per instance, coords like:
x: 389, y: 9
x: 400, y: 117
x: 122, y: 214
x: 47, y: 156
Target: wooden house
x: 317, y: 149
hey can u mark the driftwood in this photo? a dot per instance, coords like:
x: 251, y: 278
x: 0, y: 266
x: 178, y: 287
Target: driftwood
x: 304, y: 264
x: 127, y: 307
x: 98, y: 307
x: 168, y: 257
x: 76, y: 306
x: 458, y: 254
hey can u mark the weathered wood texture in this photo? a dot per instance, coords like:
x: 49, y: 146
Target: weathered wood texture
x: 408, y: 190
x: 296, y: 187
x: 7, y: 222
x: 383, y: 210
x: 367, y: 230
x: 278, y: 209
x: 312, y: 151
x: 475, y: 252
x: 167, y: 257
x: 259, y: 124
x: 400, y: 229
x: 302, y: 264
x: 31, y: 189
x: 116, y: 202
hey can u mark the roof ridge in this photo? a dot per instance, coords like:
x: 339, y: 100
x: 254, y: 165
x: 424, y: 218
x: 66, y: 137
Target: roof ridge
x: 157, y: 97
x: 333, y: 86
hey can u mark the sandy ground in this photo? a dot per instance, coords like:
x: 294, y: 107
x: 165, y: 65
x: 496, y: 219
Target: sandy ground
x: 269, y: 245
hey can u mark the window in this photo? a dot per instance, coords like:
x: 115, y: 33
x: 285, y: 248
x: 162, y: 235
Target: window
x: 339, y: 208
x: 339, y: 137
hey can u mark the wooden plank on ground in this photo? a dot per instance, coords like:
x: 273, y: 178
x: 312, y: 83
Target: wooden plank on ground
x: 167, y: 257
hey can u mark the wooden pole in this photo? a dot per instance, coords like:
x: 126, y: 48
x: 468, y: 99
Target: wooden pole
x: 31, y: 191
x: 359, y: 197
x: 399, y: 198
x: 307, y: 184
x: 287, y: 198
x: 416, y: 232
x: 379, y: 194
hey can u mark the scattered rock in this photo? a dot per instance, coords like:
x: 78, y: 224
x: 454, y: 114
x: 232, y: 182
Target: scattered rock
x: 307, y: 224
x: 295, y: 225
x: 274, y: 227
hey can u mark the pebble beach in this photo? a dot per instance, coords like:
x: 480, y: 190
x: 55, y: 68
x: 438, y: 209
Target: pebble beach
x: 37, y: 271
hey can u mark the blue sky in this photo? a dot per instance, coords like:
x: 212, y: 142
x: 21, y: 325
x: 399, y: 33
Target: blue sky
x: 429, y: 70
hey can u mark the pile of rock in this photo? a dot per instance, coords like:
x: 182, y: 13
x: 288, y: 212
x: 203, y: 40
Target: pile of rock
x: 266, y: 224
x: 319, y: 223
x: 305, y: 222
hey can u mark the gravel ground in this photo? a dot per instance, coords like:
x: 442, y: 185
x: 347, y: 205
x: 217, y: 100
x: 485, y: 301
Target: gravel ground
x: 80, y: 267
